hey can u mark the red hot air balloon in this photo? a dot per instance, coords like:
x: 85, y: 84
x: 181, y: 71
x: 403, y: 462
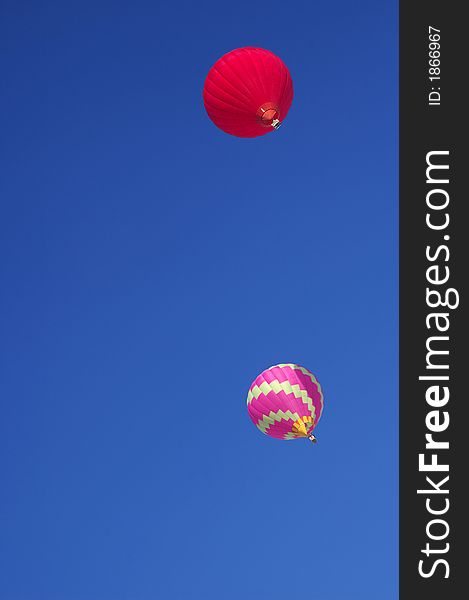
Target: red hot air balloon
x: 248, y: 92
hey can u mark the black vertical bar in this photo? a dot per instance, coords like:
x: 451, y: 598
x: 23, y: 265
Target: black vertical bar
x: 434, y: 258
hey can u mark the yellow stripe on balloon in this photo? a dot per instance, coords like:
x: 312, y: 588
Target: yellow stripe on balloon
x: 278, y: 386
x: 256, y: 391
x: 308, y: 374
x: 302, y: 369
x: 271, y: 418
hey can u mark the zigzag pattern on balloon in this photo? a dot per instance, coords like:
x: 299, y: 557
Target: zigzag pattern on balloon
x: 302, y: 369
x: 278, y: 386
x: 267, y: 420
x: 298, y: 432
x: 285, y: 401
x: 294, y: 367
x: 285, y: 424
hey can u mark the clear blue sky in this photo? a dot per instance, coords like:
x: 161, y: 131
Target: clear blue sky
x: 152, y: 266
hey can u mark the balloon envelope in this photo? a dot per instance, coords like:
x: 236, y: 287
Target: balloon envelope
x: 248, y: 92
x: 285, y: 401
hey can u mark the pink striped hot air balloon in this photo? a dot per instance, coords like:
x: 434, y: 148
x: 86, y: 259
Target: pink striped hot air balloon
x: 286, y: 402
